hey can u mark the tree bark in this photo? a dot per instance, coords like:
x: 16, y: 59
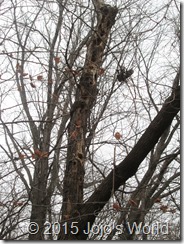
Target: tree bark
x: 80, y: 113
x: 129, y: 165
x: 39, y: 189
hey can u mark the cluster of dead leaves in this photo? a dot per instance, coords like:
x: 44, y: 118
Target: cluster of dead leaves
x: 164, y: 208
x: 36, y: 154
x: 15, y: 204
x: 24, y: 74
x: 41, y: 154
x: 18, y: 203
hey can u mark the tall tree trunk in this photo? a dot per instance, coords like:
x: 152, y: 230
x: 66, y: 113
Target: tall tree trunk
x: 38, y: 195
x: 38, y: 199
x: 80, y: 114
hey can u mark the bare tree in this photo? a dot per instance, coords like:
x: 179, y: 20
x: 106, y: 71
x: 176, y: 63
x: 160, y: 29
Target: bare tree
x: 89, y: 119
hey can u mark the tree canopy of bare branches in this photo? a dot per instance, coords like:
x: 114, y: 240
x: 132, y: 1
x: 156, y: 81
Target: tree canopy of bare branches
x: 89, y: 120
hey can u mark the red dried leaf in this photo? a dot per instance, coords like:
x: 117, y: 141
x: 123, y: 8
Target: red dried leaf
x: 37, y: 152
x: 158, y: 200
x: 164, y: 208
x: 57, y: 59
x: 117, y: 135
x: 40, y: 154
x: 101, y: 71
x: 17, y: 204
x: 32, y: 85
x: 44, y: 154
x: 33, y: 156
x: 172, y: 211
x: 40, y: 77
x: 116, y: 206
x: 21, y: 156
x: 18, y: 68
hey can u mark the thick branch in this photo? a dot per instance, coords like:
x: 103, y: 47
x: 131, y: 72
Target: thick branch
x: 130, y: 164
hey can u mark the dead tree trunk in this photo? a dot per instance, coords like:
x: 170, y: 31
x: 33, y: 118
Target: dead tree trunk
x: 80, y: 114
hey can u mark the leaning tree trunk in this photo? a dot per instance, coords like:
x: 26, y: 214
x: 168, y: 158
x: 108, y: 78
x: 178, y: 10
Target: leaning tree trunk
x: 127, y: 168
x: 80, y: 113
x: 130, y: 164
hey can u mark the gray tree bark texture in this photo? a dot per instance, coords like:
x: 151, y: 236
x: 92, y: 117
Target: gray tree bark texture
x: 80, y: 114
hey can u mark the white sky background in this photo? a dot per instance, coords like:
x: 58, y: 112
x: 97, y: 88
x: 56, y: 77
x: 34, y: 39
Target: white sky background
x: 33, y: 70
x: 106, y: 151
x: 9, y: 100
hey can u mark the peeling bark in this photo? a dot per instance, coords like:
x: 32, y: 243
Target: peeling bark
x: 80, y: 114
